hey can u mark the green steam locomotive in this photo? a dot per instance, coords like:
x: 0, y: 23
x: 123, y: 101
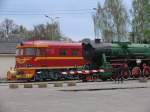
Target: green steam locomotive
x: 132, y: 60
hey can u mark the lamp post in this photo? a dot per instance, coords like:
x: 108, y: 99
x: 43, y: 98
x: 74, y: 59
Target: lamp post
x: 53, y: 21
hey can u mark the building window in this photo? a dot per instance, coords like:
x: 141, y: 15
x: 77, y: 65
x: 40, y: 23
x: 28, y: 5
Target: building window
x: 62, y: 52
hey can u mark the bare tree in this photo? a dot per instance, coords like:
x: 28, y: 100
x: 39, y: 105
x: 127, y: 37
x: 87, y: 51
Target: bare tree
x: 111, y: 21
x: 10, y: 30
x: 7, y: 27
x: 47, y: 32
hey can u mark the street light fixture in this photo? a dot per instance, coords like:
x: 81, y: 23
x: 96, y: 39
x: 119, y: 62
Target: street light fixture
x: 94, y: 8
x: 53, y: 20
x: 98, y: 9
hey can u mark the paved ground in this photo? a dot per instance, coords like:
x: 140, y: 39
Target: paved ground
x: 55, y: 99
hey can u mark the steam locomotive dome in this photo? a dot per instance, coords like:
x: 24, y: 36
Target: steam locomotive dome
x: 93, y: 50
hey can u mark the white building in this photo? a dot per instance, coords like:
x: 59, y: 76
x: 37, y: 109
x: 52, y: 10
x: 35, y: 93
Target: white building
x: 7, y: 57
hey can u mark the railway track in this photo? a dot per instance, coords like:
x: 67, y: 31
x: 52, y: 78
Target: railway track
x: 48, y: 82
x: 52, y: 82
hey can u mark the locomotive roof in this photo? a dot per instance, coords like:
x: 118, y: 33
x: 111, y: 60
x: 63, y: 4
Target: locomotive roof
x: 105, y: 45
x: 49, y: 43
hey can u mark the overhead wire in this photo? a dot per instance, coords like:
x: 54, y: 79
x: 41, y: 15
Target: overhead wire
x: 27, y: 10
x: 42, y: 12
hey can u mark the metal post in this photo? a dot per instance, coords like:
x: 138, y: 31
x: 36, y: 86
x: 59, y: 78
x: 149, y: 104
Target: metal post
x: 53, y: 20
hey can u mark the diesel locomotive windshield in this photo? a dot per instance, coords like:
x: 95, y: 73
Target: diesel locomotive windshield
x: 29, y: 52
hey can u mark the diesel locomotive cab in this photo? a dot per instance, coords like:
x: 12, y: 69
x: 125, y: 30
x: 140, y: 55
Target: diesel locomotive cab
x: 25, y: 56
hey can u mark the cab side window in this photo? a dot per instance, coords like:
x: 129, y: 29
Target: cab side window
x: 30, y: 51
x: 40, y: 52
x: 62, y: 52
x: 51, y: 51
x: 74, y: 52
x: 19, y: 52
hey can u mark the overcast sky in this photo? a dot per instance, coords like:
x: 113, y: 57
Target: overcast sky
x: 75, y: 15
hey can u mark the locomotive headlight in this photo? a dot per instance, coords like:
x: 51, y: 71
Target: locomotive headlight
x: 101, y: 70
x: 138, y: 61
x: 39, y: 72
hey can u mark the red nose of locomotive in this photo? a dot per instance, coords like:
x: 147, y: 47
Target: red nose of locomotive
x: 23, y: 62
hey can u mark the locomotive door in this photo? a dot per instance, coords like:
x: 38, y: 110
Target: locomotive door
x: 41, y: 55
x: 50, y: 53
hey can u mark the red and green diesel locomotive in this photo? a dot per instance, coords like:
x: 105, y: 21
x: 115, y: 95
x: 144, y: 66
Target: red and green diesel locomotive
x: 41, y: 60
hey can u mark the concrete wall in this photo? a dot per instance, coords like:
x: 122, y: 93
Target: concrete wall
x: 6, y: 61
